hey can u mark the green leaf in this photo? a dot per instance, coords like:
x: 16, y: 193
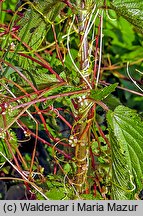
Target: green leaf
x: 68, y: 61
x: 4, y: 147
x: 67, y: 168
x: 100, y: 94
x: 112, y: 102
x: 92, y: 197
x: 126, y: 137
x: 37, y: 21
x: 34, y: 25
x: 131, y: 10
x: 56, y: 193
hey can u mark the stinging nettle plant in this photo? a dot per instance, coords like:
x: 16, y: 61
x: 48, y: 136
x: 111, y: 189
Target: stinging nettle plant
x: 51, y: 64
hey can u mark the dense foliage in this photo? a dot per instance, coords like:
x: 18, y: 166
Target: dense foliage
x: 71, y: 99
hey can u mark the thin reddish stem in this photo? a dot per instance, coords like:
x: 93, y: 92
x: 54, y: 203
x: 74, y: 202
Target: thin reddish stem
x: 20, y: 74
x: 50, y: 98
x: 45, y: 142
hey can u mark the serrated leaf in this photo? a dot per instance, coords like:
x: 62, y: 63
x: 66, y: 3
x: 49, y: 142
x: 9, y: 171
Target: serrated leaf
x: 34, y: 26
x: 131, y: 10
x: 100, y: 94
x: 37, y: 21
x: 4, y: 147
x: 126, y: 137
